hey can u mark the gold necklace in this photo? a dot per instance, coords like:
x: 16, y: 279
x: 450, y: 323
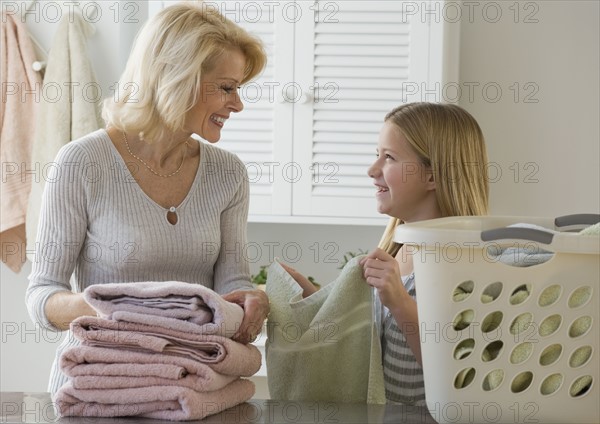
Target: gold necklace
x: 148, y: 166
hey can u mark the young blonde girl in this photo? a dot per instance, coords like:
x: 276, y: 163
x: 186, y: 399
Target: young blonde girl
x: 431, y: 163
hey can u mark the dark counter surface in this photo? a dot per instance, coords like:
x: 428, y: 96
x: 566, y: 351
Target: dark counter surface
x: 19, y: 407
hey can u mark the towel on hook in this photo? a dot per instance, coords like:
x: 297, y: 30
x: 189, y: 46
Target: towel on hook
x: 324, y: 347
x: 200, y: 311
x: 19, y: 107
x: 158, y: 402
x: 223, y: 355
x: 69, y: 109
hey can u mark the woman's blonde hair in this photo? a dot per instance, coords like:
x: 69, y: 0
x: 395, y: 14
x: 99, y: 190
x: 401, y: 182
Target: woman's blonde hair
x: 449, y: 141
x: 162, y: 78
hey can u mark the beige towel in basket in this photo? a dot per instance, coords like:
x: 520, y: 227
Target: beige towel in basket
x: 592, y: 230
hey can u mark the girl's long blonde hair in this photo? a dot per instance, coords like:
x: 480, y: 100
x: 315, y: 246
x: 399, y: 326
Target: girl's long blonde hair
x: 447, y: 139
x: 162, y: 78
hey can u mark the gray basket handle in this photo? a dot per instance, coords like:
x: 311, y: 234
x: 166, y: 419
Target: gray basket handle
x: 577, y: 219
x: 519, y: 233
x: 539, y: 236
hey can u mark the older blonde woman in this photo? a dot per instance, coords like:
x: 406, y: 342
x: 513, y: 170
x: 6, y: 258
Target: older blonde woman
x: 142, y: 200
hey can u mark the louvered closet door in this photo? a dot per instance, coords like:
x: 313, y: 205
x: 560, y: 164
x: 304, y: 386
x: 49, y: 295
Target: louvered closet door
x: 356, y: 55
x: 261, y: 134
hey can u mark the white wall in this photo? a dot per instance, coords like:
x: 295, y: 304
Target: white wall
x: 554, y: 143
x: 559, y: 135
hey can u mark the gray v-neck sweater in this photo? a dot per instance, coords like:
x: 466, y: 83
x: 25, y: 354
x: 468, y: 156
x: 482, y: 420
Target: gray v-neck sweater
x: 97, y: 226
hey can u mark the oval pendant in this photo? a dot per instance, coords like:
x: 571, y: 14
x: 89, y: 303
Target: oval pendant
x: 172, y: 215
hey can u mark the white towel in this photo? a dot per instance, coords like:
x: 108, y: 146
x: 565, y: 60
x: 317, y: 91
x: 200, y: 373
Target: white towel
x: 67, y: 117
x: 17, y: 133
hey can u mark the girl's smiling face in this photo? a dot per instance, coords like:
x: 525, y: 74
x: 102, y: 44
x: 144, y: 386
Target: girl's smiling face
x: 405, y: 186
x: 218, y: 96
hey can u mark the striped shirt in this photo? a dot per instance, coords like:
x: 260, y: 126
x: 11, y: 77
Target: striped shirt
x: 98, y: 226
x: 403, y: 376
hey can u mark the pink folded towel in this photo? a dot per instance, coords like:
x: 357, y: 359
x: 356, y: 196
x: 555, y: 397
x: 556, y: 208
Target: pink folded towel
x: 100, y: 367
x: 222, y: 354
x: 170, y: 304
x: 159, y: 402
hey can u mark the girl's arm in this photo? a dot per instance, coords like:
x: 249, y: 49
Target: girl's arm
x: 382, y: 272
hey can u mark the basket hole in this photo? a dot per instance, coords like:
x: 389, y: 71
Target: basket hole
x: 580, y: 297
x: 550, y: 295
x: 463, y: 291
x: 464, y: 349
x: 464, y: 378
x: 521, y: 382
x: 581, y: 386
x: 520, y: 294
x: 463, y: 319
x: 580, y: 326
x: 492, y: 321
x: 551, y: 354
x: 491, y: 351
x: 493, y: 380
x: 551, y: 384
x: 491, y: 292
x: 550, y: 325
x: 521, y: 323
x: 521, y: 353
x: 580, y: 356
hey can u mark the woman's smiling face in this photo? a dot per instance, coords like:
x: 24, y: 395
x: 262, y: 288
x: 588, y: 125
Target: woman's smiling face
x: 218, y: 96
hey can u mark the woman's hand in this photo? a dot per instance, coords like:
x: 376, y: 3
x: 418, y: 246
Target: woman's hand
x: 308, y: 288
x: 381, y: 271
x: 256, y: 308
x: 64, y: 307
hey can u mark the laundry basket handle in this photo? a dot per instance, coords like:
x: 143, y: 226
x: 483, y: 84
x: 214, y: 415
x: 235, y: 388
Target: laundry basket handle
x: 577, y: 219
x: 520, y: 233
x: 537, y: 235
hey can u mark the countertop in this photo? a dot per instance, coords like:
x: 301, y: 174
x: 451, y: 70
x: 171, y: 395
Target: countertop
x: 19, y: 407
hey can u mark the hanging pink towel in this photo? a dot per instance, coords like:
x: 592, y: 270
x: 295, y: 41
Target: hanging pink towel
x: 20, y: 88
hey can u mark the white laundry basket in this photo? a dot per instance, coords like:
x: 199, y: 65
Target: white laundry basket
x: 502, y: 343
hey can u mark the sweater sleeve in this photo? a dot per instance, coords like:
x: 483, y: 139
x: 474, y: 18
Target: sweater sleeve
x: 61, y: 231
x: 231, y: 271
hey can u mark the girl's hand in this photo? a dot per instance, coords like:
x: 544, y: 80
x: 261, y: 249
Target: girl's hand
x: 307, y: 287
x: 381, y: 271
x: 256, y: 308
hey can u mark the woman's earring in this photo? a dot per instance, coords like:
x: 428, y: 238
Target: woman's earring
x: 141, y: 135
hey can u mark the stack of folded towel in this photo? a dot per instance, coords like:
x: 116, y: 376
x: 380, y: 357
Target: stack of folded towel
x: 159, y: 350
